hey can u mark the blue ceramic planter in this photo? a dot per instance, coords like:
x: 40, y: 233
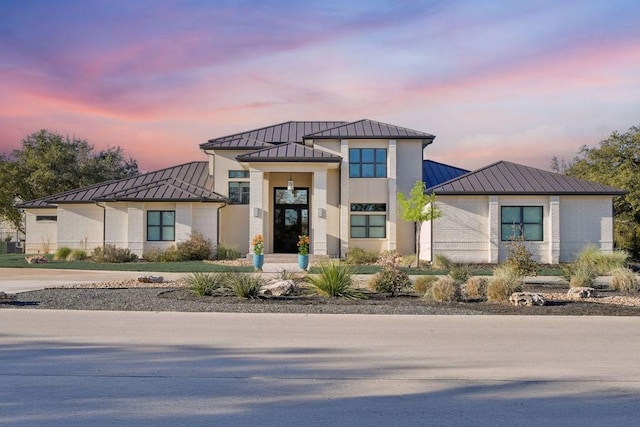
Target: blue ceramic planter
x: 258, y: 261
x: 303, y: 262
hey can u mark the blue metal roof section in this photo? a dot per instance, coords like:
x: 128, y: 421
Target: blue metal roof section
x: 434, y: 173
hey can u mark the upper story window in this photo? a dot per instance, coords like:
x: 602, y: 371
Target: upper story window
x: 521, y: 222
x: 161, y: 226
x: 367, y: 163
x: 239, y: 190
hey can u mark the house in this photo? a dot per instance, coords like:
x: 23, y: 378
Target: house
x: 335, y: 181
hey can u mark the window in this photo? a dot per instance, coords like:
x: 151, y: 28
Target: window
x: 238, y: 174
x: 367, y: 163
x: 239, y: 192
x: 521, y: 221
x: 46, y: 218
x: 161, y: 226
x: 368, y: 226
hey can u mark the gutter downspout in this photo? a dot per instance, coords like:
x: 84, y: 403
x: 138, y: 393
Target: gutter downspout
x: 224, y: 204
x: 104, y: 223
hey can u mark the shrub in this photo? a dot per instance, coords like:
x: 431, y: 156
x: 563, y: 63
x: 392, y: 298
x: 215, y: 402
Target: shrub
x: 227, y: 252
x: 359, y: 256
x: 602, y: 263
x: 77, y: 255
x: 391, y: 280
x: 111, y: 254
x: 243, y: 285
x: 625, y: 280
x: 62, y: 253
x: 204, y: 283
x: 423, y: 284
x: 334, y: 280
x: 475, y: 288
x: 441, y: 262
x: 579, y: 274
x: 520, y: 259
x: 460, y: 272
x: 444, y: 290
x: 502, y: 286
x: 195, y: 248
x: 169, y: 254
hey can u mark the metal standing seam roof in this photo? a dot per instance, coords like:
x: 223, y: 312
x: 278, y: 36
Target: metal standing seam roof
x: 291, y: 131
x: 435, y: 173
x: 370, y: 129
x: 510, y: 178
x: 187, y: 182
x: 290, y: 152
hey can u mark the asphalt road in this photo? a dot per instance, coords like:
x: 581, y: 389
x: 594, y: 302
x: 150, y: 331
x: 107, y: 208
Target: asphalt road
x: 75, y: 368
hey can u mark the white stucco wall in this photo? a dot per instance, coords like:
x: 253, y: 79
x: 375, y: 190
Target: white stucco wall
x: 40, y: 234
x: 583, y: 221
x: 80, y: 226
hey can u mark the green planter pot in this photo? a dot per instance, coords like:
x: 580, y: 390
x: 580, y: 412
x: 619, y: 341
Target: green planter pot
x: 258, y: 261
x: 303, y: 262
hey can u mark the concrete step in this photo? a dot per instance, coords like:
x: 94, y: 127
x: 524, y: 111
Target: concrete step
x: 288, y: 258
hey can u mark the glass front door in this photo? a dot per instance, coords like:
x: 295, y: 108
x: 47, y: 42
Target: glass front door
x: 290, y: 218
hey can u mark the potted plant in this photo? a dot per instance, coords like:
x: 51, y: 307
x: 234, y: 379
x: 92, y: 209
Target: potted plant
x: 303, y: 252
x: 258, y: 255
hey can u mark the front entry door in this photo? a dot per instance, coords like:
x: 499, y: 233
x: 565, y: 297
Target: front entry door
x: 290, y: 218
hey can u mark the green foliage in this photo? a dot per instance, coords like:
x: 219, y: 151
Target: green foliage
x: 49, y: 163
x: 112, y: 254
x: 444, y: 290
x: 243, y: 285
x: 519, y: 258
x: 580, y: 274
x: 423, y: 284
x: 204, y: 284
x: 502, y: 286
x: 625, y: 280
x: 227, y: 252
x: 441, y: 262
x: 77, y: 255
x: 195, y: 248
x: 460, y: 272
x: 359, y: 256
x: 62, y: 253
x: 418, y: 208
x: 391, y: 280
x: 615, y: 163
x: 334, y: 280
x: 602, y: 263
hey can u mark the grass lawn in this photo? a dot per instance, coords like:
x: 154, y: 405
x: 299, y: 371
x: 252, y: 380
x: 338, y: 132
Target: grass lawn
x: 18, y: 261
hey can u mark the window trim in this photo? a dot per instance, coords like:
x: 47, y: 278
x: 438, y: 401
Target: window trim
x: 522, y: 224
x: 162, y: 226
x: 241, y: 185
x: 375, y: 163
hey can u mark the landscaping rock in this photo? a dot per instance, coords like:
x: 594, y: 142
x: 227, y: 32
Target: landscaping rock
x: 277, y: 288
x: 581, y: 292
x: 37, y: 259
x: 4, y: 297
x: 526, y: 299
x: 150, y: 279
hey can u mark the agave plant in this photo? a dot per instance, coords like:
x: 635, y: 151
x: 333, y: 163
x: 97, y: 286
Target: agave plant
x: 334, y: 280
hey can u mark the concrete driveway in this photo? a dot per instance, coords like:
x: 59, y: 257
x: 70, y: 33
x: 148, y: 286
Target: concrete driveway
x: 78, y: 368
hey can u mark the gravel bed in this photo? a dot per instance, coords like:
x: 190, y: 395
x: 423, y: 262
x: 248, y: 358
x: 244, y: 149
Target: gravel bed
x: 175, y: 296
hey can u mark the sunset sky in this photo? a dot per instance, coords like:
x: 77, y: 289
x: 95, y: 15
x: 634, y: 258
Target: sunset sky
x: 493, y: 80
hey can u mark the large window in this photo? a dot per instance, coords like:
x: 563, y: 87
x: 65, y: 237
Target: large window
x: 367, y: 163
x: 365, y: 225
x: 239, y: 190
x: 161, y: 226
x: 521, y: 222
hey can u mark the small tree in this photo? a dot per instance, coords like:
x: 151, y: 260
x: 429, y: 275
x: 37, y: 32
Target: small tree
x: 418, y: 208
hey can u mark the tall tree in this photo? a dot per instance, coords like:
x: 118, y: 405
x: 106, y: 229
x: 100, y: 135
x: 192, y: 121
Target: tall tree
x: 49, y: 163
x: 615, y: 162
x: 418, y: 208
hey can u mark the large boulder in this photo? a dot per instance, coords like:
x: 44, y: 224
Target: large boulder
x: 150, y: 279
x: 278, y: 288
x: 4, y: 297
x: 581, y: 292
x: 526, y: 299
x: 37, y: 259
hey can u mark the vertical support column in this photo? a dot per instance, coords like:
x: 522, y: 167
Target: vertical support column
x: 136, y: 230
x: 494, y: 230
x: 554, y: 230
x: 392, y: 204
x: 344, y: 197
x: 256, y: 212
x: 319, y: 216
